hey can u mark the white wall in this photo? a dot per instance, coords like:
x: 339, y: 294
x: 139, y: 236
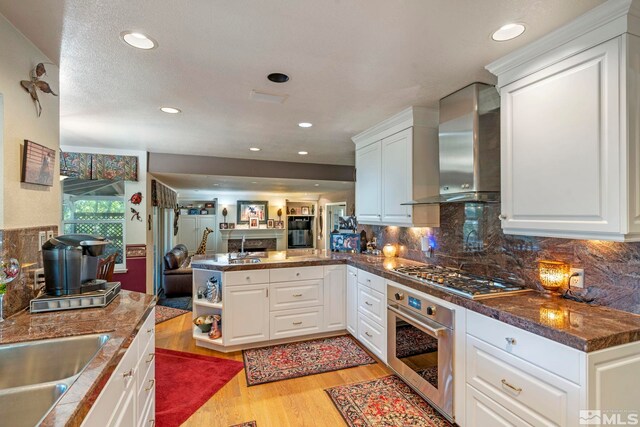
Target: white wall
x: 26, y: 205
x: 135, y: 231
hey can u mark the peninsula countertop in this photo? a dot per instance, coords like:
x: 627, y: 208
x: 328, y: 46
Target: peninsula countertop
x: 121, y: 320
x: 581, y: 326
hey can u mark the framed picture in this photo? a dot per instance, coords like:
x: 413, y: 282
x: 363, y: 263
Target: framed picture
x: 193, y: 211
x: 270, y: 223
x: 279, y: 224
x: 37, y: 164
x: 305, y: 210
x: 254, y: 222
x: 253, y: 209
x: 224, y: 226
x: 232, y: 226
x: 292, y: 211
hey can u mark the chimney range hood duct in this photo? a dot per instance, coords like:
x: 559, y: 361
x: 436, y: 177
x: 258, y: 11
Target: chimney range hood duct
x: 469, y: 143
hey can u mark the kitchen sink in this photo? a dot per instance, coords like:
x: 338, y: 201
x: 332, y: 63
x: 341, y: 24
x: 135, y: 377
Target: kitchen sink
x: 35, y: 374
x: 244, y: 261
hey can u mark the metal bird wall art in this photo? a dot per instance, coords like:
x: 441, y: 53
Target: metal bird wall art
x: 35, y: 83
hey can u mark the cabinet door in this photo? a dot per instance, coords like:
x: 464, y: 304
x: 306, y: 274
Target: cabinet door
x: 368, y: 181
x: 246, y: 314
x: 334, y: 297
x: 187, y: 231
x: 561, y: 144
x: 397, y: 177
x: 352, y: 301
x: 204, y: 222
x: 482, y: 411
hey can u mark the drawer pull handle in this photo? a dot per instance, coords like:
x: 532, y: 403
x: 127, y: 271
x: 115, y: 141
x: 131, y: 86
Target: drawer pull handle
x: 297, y: 323
x: 150, y: 330
x: 128, y: 374
x: 297, y: 295
x: 150, y: 359
x: 517, y: 390
x: 368, y: 334
x: 510, y: 341
x: 152, y: 382
x: 368, y: 303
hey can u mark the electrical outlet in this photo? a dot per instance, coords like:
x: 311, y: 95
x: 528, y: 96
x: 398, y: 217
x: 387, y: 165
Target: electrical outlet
x: 577, y: 281
x: 42, y: 237
x: 49, y: 234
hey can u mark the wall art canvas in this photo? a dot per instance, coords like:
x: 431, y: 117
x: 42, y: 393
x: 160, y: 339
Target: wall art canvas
x: 37, y: 164
x: 248, y: 209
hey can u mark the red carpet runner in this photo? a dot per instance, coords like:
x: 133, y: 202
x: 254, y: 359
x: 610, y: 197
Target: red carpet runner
x: 185, y: 381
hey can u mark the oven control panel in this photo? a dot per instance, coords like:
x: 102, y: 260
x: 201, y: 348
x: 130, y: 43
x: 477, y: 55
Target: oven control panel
x: 425, y: 305
x: 415, y: 303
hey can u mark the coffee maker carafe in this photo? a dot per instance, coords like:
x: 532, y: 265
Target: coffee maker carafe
x: 71, y: 264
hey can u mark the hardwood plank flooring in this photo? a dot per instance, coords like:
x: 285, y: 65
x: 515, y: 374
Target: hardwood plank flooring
x: 299, y: 402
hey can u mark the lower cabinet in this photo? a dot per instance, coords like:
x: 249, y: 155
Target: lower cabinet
x: 483, y: 412
x: 121, y: 402
x: 369, y: 307
x: 297, y: 322
x: 246, y: 314
x: 352, y: 301
x: 335, y: 286
x: 373, y: 336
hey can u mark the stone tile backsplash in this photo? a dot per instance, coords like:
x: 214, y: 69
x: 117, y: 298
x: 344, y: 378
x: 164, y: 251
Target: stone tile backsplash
x: 470, y: 237
x: 24, y: 245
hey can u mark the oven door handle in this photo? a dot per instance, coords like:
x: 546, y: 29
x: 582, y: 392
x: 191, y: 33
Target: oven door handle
x: 435, y: 330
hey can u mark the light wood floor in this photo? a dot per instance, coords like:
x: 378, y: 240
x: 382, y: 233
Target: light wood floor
x: 298, y: 402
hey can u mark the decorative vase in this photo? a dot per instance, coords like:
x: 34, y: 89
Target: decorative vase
x: 216, y: 328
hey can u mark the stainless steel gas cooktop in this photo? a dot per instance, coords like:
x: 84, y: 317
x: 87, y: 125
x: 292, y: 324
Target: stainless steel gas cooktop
x: 459, y: 282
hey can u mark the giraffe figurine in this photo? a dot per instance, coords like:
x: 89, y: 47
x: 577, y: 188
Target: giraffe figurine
x: 202, y: 249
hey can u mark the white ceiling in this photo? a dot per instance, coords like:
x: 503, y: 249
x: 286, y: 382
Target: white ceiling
x: 352, y: 63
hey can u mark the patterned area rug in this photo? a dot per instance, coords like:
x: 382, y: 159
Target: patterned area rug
x: 183, y: 303
x: 165, y: 313
x: 385, y: 401
x: 281, y: 362
x: 247, y: 424
x: 411, y: 341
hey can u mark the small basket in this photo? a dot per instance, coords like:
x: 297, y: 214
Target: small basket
x: 205, y: 327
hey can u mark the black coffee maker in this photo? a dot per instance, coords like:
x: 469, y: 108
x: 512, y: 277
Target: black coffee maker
x: 71, y: 264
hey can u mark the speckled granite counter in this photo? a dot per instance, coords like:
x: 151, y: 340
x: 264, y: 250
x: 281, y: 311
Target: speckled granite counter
x: 121, y: 320
x: 581, y: 326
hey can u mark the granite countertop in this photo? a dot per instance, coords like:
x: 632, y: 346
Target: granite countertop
x: 577, y: 325
x: 121, y: 320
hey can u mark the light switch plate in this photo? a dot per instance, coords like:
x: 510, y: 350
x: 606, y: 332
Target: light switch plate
x: 42, y: 237
x: 49, y: 234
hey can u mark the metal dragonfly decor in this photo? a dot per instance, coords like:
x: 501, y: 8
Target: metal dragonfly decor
x: 35, y: 83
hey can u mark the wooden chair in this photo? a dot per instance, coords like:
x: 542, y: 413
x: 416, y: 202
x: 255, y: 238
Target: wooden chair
x: 106, y: 266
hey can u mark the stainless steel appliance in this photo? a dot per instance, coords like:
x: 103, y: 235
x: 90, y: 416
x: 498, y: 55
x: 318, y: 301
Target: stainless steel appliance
x: 300, y: 230
x: 420, y: 339
x: 71, y: 264
x: 469, y: 144
x: 459, y: 282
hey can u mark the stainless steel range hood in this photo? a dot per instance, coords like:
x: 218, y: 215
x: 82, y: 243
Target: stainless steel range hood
x: 469, y: 143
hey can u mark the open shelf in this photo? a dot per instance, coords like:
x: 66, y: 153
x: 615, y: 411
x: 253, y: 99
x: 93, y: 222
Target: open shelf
x: 203, y: 336
x: 205, y: 303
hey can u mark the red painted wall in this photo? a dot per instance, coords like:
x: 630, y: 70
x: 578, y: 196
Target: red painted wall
x: 135, y: 279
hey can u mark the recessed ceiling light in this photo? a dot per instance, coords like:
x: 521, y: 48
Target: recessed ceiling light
x: 254, y: 149
x: 253, y: 182
x: 316, y: 185
x: 303, y: 153
x: 138, y: 40
x: 170, y: 110
x: 508, y: 32
x: 215, y: 185
x: 278, y: 77
x: 305, y: 125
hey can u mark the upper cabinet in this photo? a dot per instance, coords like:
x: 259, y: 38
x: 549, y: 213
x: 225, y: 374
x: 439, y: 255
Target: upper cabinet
x: 396, y: 162
x: 570, y: 129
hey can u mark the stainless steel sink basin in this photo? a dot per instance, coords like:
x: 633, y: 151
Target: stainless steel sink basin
x: 244, y: 261
x: 35, y: 374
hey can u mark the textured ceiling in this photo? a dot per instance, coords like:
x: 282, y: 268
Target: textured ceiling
x: 352, y: 63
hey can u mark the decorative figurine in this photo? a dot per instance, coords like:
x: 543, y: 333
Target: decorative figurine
x: 35, y: 83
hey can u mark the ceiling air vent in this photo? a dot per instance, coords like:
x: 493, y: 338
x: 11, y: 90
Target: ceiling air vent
x: 267, y: 97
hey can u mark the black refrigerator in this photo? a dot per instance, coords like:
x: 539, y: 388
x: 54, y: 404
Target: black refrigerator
x: 300, y: 232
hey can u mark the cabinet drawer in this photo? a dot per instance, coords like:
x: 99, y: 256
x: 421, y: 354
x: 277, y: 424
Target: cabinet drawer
x: 146, y: 390
x: 246, y: 277
x: 372, y: 303
x: 371, y: 281
x: 482, y: 412
x: 372, y: 336
x: 147, y: 331
x: 292, y: 323
x: 145, y: 364
x: 547, y: 354
x: 149, y: 417
x: 288, y: 295
x: 535, y: 395
x: 296, y: 273
x: 352, y: 271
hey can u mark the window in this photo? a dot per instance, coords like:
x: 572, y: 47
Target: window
x: 96, y: 207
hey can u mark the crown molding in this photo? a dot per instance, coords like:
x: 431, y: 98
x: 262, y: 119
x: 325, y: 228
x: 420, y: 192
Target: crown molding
x: 412, y: 116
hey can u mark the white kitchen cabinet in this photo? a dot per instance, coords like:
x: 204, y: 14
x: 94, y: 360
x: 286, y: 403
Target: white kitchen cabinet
x: 246, y: 314
x: 335, y: 289
x: 569, y: 130
x: 119, y: 403
x: 371, y: 309
x: 368, y: 181
x: 482, y: 412
x: 352, y: 301
x: 191, y: 229
x: 396, y: 162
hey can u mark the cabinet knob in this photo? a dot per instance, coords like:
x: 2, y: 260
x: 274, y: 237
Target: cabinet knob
x: 510, y: 341
x: 298, y: 274
x: 150, y: 330
x: 128, y: 374
x: 502, y: 217
x: 248, y: 278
